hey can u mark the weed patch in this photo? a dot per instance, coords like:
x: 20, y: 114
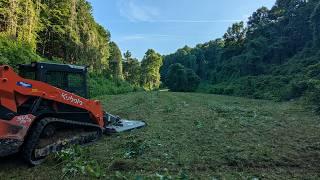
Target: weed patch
x: 165, y: 175
x: 206, y: 136
x: 75, y: 162
x: 134, y: 148
x: 123, y: 165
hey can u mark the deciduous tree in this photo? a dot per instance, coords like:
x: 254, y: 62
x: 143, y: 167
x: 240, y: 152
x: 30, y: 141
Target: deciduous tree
x: 150, y: 67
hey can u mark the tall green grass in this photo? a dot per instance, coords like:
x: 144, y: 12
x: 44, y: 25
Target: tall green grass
x: 102, y: 85
x: 278, y: 88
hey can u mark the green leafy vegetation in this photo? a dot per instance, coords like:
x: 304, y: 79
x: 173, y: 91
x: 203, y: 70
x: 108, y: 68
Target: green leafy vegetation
x: 199, y: 136
x: 76, y: 162
x: 65, y: 31
x: 150, y: 67
x: 131, y: 69
x: 134, y: 148
x: 61, y: 29
x: 180, y: 79
x: 313, y: 94
x: 100, y: 85
x: 116, y: 61
x: 14, y: 52
x: 275, y: 56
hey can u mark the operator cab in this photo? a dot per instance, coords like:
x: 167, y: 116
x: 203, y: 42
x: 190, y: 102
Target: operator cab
x: 70, y: 78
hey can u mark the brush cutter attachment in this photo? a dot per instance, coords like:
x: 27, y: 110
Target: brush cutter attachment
x: 114, y: 124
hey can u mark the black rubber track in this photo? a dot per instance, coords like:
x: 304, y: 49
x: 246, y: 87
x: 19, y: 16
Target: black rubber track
x: 35, y: 132
x: 32, y: 141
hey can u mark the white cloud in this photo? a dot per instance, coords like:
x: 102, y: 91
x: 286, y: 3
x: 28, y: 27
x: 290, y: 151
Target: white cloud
x: 135, y: 37
x: 197, y: 21
x: 135, y: 12
x: 138, y: 12
x: 132, y: 37
x: 186, y: 21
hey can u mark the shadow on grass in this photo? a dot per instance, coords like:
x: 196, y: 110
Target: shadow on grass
x: 12, y: 161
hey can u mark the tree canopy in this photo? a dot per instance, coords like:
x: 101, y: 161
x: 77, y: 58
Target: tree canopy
x: 275, y: 55
x: 131, y: 69
x: 182, y: 79
x: 268, y: 57
x: 65, y: 31
x: 115, y: 61
x: 57, y: 29
x: 150, y: 67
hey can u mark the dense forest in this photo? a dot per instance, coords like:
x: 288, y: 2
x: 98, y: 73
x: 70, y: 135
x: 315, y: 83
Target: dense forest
x: 275, y: 55
x: 65, y: 31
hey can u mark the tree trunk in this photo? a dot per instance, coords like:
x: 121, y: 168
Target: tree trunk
x: 12, y: 18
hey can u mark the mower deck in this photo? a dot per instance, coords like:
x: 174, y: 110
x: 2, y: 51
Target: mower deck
x: 124, y: 125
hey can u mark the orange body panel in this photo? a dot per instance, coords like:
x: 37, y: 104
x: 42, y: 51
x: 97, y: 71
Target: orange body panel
x: 14, y: 89
x: 17, y: 128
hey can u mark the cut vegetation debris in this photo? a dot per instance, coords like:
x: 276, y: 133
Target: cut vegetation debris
x: 195, y: 136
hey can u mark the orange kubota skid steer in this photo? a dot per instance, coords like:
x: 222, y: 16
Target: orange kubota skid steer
x: 44, y: 110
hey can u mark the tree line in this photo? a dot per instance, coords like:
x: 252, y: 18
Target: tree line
x: 275, y: 55
x: 65, y: 31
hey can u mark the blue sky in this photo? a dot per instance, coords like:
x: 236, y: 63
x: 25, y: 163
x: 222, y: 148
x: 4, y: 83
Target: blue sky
x: 166, y: 25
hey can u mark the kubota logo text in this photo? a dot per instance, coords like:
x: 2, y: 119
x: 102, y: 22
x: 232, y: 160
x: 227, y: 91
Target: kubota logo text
x: 71, y: 99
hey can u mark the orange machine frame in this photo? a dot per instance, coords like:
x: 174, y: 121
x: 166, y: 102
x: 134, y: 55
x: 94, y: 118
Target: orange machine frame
x: 12, y: 95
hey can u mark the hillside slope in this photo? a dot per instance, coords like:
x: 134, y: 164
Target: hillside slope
x: 275, y: 55
x: 200, y: 136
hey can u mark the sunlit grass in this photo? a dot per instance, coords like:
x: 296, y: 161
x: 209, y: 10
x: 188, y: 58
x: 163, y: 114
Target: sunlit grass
x: 201, y: 136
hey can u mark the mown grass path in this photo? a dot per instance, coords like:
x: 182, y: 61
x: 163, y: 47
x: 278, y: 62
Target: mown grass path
x: 201, y: 136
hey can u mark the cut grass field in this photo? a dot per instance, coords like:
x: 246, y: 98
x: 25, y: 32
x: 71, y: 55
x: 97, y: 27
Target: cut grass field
x: 199, y: 136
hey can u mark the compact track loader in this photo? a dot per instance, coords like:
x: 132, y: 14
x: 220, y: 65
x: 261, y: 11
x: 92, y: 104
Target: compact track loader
x: 45, y: 109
